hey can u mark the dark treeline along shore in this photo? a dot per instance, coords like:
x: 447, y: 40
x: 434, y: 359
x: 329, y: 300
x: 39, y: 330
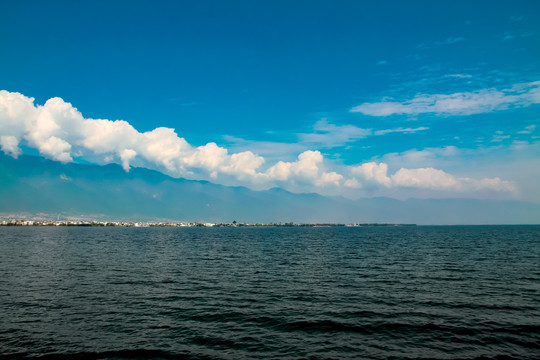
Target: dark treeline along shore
x: 374, y: 292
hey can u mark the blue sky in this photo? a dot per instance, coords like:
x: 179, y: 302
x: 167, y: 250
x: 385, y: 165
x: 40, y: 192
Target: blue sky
x: 446, y: 91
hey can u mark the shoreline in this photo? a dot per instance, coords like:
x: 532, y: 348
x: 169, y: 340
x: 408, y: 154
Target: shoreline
x: 68, y: 223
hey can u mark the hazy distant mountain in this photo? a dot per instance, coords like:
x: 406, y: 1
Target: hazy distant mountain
x: 34, y: 184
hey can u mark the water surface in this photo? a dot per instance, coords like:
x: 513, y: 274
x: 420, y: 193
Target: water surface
x: 247, y: 293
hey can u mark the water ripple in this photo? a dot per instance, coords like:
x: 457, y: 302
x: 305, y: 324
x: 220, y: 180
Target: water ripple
x: 287, y: 293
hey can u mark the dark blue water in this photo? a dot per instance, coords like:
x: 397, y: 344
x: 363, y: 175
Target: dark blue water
x: 272, y: 293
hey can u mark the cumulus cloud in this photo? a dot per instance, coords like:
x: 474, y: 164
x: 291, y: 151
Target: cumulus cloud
x: 60, y: 132
x: 461, y: 103
x: 423, y: 178
x: 431, y: 178
x: 10, y: 145
x: 308, y: 169
x: 329, y: 178
x: 244, y: 163
x: 126, y: 156
x: 371, y: 173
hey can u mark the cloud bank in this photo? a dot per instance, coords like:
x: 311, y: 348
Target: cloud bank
x: 60, y: 132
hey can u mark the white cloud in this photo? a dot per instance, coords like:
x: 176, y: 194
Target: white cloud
x: 371, y: 173
x: 450, y: 40
x: 56, y: 148
x: 329, y: 178
x: 307, y: 165
x: 280, y: 171
x: 459, y: 76
x: 435, y: 179
x: 528, y: 129
x: 461, y: 103
x: 245, y: 164
x: 425, y: 178
x: 491, y: 184
x: 271, y: 151
x: 104, y: 136
x: 51, y: 127
x: 401, y: 130
x: 60, y: 132
x: 325, y: 135
x: 499, y: 138
x: 308, y: 169
x: 15, y: 110
x: 163, y: 147
x: 126, y: 156
x: 352, y: 183
x: 209, y: 156
x: 10, y: 145
x: 519, y: 145
x: 428, y: 157
x: 329, y: 135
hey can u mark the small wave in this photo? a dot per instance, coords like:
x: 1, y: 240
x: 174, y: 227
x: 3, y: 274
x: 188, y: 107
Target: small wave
x: 219, y: 343
x: 495, y: 357
x: 134, y: 354
x: 477, y: 306
x: 392, y: 328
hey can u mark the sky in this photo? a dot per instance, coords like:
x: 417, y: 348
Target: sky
x: 425, y: 99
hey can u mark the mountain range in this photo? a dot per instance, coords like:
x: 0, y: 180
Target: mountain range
x: 32, y: 184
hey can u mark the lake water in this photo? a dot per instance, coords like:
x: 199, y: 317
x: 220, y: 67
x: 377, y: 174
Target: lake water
x: 270, y: 293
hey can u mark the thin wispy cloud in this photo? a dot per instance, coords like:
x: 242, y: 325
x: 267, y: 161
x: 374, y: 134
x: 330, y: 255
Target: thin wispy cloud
x: 264, y: 148
x: 516, y: 35
x: 459, y: 76
x: 528, y: 129
x: 324, y: 135
x: 460, y: 103
x: 401, y: 130
x: 191, y: 103
x: 500, y: 138
x: 329, y: 135
x: 448, y: 41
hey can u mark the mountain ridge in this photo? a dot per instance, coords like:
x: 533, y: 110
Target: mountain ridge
x: 35, y: 184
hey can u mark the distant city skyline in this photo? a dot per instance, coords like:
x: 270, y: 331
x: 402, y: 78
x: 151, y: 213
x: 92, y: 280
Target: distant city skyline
x: 413, y: 99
